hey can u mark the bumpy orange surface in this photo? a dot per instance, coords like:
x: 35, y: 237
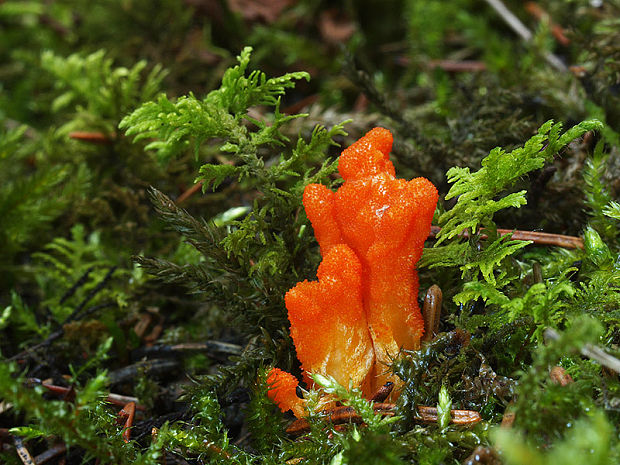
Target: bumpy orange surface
x: 283, y: 391
x: 363, y: 309
x: 328, y: 324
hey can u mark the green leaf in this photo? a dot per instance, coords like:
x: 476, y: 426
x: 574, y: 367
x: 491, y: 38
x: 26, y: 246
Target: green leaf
x: 596, y: 249
x: 214, y: 175
x: 27, y: 432
x: 192, y: 121
x: 612, y: 210
x: 5, y: 317
x: 475, y: 289
x: 444, y: 407
x: 492, y: 255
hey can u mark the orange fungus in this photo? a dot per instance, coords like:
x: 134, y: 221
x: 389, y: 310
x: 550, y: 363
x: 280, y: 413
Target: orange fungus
x: 363, y: 309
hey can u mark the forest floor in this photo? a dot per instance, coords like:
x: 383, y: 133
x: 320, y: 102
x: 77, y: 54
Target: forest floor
x: 153, y: 162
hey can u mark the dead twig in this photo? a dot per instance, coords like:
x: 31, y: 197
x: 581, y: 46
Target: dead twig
x: 68, y: 392
x: 30, y: 352
x: 92, y: 137
x: 509, y: 18
x: 522, y: 31
x: 590, y: 351
x: 176, y: 350
x: 450, y: 66
x: 152, y: 367
x: 77, y: 314
x: 50, y: 454
x: 538, y: 238
x: 22, y: 452
x: 118, y: 399
x: 189, y: 192
x: 342, y: 415
x: 78, y: 284
x: 94, y: 291
x: 57, y: 334
x: 454, y: 66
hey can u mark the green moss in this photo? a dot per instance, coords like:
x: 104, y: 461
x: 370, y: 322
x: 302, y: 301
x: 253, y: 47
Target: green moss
x: 72, y: 214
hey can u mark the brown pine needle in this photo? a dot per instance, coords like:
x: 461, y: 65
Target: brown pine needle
x: 591, y: 351
x: 345, y: 414
x: 539, y: 13
x: 189, y: 192
x: 431, y: 312
x: 538, y: 238
x: 454, y: 66
x: 92, y: 137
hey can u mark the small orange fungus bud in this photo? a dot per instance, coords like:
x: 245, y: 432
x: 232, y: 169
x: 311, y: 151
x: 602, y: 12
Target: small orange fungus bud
x: 283, y: 391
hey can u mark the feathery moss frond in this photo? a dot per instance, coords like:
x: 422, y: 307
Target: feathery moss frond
x: 92, y: 82
x: 476, y: 192
x: 218, y: 114
x: 480, y: 195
